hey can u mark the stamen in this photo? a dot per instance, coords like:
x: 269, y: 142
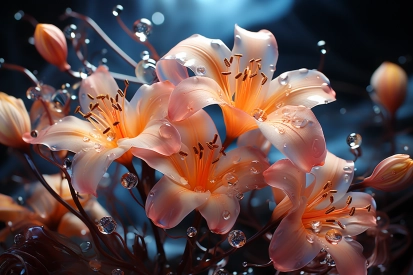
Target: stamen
x: 263, y: 81
x: 94, y: 106
x: 330, y: 220
x: 222, y: 151
x: 115, y: 107
x: 225, y: 73
x: 238, y: 75
x: 215, y: 146
x: 333, y: 191
x: 352, y: 211
x: 327, y: 185
x: 340, y: 224
x: 214, y: 139
x: 115, y: 123
x: 201, y: 154
x: 258, y: 60
x: 90, y: 106
x: 331, y: 199
x: 210, y: 146
x: 231, y: 59
x: 245, y: 76
x: 252, y: 60
x: 77, y: 109
x: 117, y: 97
x: 101, y: 96
x: 87, y: 115
x: 195, y: 150
x: 324, y: 195
x: 182, y: 153
x: 120, y: 92
x: 238, y: 55
x: 126, y: 82
x: 227, y: 63
x: 120, y: 108
x: 251, y: 76
x: 200, y: 146
x: 107, y: 96
x: 90, y: 96
x: 259, y: 66
x: 112, y: 100
x: 349, y: 200
x: 368, y: 207
x: 215, y: 161
x: 106, y: 130
x: 330, y: 210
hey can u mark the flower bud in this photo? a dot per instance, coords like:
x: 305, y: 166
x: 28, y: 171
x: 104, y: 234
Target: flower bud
x: 392, y: 174
x: 14, y: 121
x: 50, y: 42
x: 390, y: 84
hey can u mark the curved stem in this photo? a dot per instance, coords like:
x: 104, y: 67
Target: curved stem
x: 22, y: 70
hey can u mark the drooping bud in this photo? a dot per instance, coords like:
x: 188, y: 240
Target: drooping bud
x: 50, y: 42
x: 390, y: 83
x: 392, y: 174
x: 14, y: 121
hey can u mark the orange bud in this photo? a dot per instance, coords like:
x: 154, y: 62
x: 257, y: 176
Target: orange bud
x: 392, y: 174
x: 50, y: 42
x: 14, y: 121
x: 390, y: 84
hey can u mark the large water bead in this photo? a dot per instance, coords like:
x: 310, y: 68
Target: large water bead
x: 334, y: 236
x: 107, y: 225
x: 129, y: 180
x: 236, y: 238
x: 354, y: 140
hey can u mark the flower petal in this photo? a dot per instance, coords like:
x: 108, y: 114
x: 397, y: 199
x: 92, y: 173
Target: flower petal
x: 338, y: 172
x: 296, y: 132
x: 159, y: 136
x: 100, y: 82
x: 348, y: 257
x: 237, y: 122
x: 289, y: 248
x: 193, y: 94
x: 220, y: 211
x: 10, y: 210
x: 70, y: 225
x: 202, y: 55
x: 256, y: 139
x: 67, y: 134
x: 89, y: 166
x: 300, y: 87
x: 169, y: 203
x: 286, y: 176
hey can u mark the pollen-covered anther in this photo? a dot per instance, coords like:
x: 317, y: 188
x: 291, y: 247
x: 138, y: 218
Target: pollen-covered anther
x: 195, y: 150
x: 333, y: 191
x: 349, y: 200
x: 222, y: 151
x: 328, y: 211
x: 227, y: 63
x: 87, y: 115
x: 327, y: 185
x: 90, y: 96
x: 225, y: 73
x: 183, y: 154
x: 368, y: 207
x: 94, y: 106
x: 331, y: 199
x: 238, y: 75
x: 340, y: 224
x: 115, y: 123
x: 77, y: 110
x: 126, y: 82
x: 214, y: 139
x: 210, y: 146
x: 329, y: 220
x: 238, y: 55
x: 119, y: 108
x: 115, y: 107
x: 352, y: 211
x: 117, y: 98
x: 231, y: 59
x: 200, y: 146
x: 106, y: 130
x: 215, y: 160
x: 251, y: 76
x: 120, y: 92
x: 102, y: 97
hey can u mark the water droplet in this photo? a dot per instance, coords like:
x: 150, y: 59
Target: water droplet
x: 259, y: 114
x: 70, y: 31
x: 354, y: 140
x: 98, y: 147
x: 145, y: 55
x: 95, y: 264
x: 226, y: 215
x: 280, y: 130
x: 347, y: 169
x: 151, y: 194
x: 303, y: 70
x: 346, y: 177
x: 230, y: 178
x: 348, y: 238
x: 333, y: 236
x: 239, y: 196
x: 221, y: 271
x: 299, y: 122
x: 382, y: 220
x: 310, y: 238
x: 34, y: 133
x: 191, y: 232
x: 111, y: 136
x: 20, y: 200
x: 60, y: 99
x: 166, y: 130
x: 85, y: 246
x: 107, y: 225
x: 129, y: 180
x: 318, y: 147
x: 53, y: 148
x: 406, y: 148
x: 145, y: 70
x: 237, y: 39
x: 86, y: 139
x: 200, y: 70
x: 236, y: 159
x: 328, y: 260
x: 142, y: 26
x: 117, y: 271
x: 254, y: 170
x: 215, y: 43
x: 236, y: 238
x: 117, y: 10
x: 19, y: 238
x: 183, y: 180
x: 322, y: 46
x: 316, y: 226
x: 283, y: 79
x: 33, y: 93
x: 199, y: 189
x: 67, y: 163
x: 272, y: 68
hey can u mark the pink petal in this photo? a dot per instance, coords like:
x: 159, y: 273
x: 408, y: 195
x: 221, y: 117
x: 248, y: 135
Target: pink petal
x: 193, y: 94
x: 286, y: 176
x: 301, y: 87
x: 159, y: 136
x: 169, y: 203
x: 338, y: 171
x: 66, y: 134
x: 220, y: 211
x: 296, y: 132
x: 256, y: 139
x: 204, y: 56
x: 348, y: 257
x: 256, y: 45
x: 89, y: 166
x: 100, y: 82
x: 289, y: 248
x: 246, y: 164
x: 237, y: 121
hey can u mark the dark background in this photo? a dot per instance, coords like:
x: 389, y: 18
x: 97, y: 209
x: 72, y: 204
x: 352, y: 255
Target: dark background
x: 360, y: 35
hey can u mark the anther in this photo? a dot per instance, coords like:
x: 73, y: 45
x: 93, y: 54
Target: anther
x: 117, y: 98
x: 210, y: 146
x: 225, y: 73
x: 349, y: 200
x: 327, y: 185
x: 215, y: 146
x: 231, y: 59
x: 107, y: 96
x: 112, y: 100
x: 182, y: 153
x: 263, y: 81
x: 227, y: 63
x: 115, y: 107
x: 200, y: 146
x: 259, y: 66
x: 120, y: 108
x: 352, y: 211
x: 222, y: 151
x: 252, y: 60
x: 214, y: 139
x: 215, y: 161
x: 115, y: 123
x: 90, y: 96
x: 330, y: 220
x: 106, y: 130
x: 331, y: 199
x: 238, y: 75
x: 126, y: 82
x: 201, y: 154
x: 330, y: 210
x: 77, y: 109
x: 120, y: 92
x: 340, y: 224
x: 258, y: 60
x: 101, y: 96
x: 94, y: 106
x: 368, y: 207
x: 87, y: 115
x: 251, y: 76
x: 333, y: 191
x: 245, y: 77
x: 238, y: 55
x: 195, y: 150
x: 324, y: 195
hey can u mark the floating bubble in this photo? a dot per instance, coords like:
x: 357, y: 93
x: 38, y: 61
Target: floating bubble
x: 191, y: 231
x: 354, y: 140
x: 236, y: 238
x: 142, y: 26
x: 145, y: 55
x: 158, y: 18
x: 107, y: 225
x: 129, y: 180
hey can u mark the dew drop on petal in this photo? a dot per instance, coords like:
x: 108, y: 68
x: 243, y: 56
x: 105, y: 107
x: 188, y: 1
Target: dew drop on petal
x: 95, y: 264
x: 107, y: 225
x: 316, y: 226
x: 86, y: 139
x: 272, y: 68
x: 226, y: 215
x: 53, y: 148
x: 322, y: 46
x: 145, y: 70
x: 200, y: 70
x: 303, y: 70
x: 98, y: 147
x: 191, y: 232
x: 129, y: 180
x: 166, y: 130
x: 259, y: 114
x: 310, y: 238
x: 33, y: 93
x: 333, y: 236
x: 283, y: 79
x: 236, y: 238
x: 347, y: 169
x: 299, y: 122
x: 318, y: 147
x: 348, y: 238
x: 145, y: 55
x: 199, y: 189
x: 34, y: 133
x: 85, y: 246
x: 237, y: 39
x: 254, y: 170
x: 346, y: 177
x: 142, y: 26
x: 111, y: 136
x: 19, y: 238
x: 230, y: 178
x: 354, y: 140
x: 239, y: 196
x: 215, y: 44
x: 117, y: 271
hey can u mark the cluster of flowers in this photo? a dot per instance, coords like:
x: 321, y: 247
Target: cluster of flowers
x: 165, y: 126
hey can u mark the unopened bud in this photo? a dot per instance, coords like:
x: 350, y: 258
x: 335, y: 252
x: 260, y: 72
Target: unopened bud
x: 392, y: 174
x: 50, y: 42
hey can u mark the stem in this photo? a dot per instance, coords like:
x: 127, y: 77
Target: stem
x: 22, y: 70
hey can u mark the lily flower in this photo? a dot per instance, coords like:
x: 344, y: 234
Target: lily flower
x: 202, y: 176
x: 113, y: 125
x: 240, y: 82
x: 323, y: 216
x: 43, y: 209
x: 14, y: 121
